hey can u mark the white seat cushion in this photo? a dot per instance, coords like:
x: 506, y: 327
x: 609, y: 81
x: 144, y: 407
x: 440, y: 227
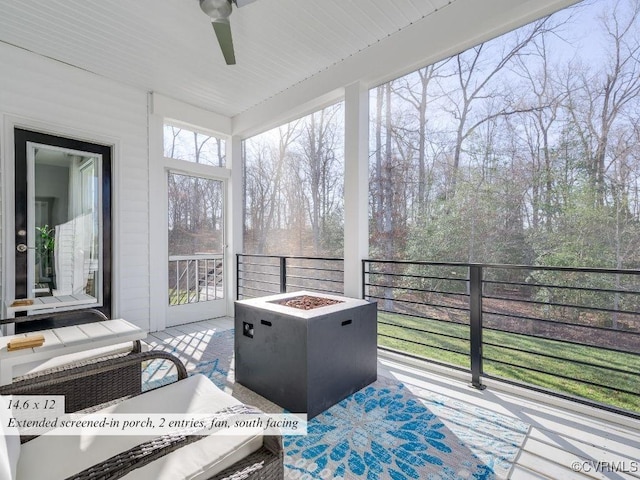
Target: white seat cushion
x: 9, y: 443
x: 57, y: 457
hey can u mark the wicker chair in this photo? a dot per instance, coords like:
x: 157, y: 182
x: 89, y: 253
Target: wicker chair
x: 266, y: 463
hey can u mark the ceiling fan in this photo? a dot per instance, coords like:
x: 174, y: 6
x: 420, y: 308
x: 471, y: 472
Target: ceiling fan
x: 219, y: 11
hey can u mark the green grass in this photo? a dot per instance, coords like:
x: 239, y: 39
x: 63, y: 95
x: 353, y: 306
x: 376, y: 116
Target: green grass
x: 422, y: 337
x: 178, y: 297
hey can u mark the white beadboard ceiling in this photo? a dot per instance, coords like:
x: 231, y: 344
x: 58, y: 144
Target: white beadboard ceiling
x: 169, y: 47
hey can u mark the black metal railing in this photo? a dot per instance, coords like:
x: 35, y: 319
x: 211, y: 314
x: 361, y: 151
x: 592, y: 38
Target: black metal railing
x: 573, y: 332
x: 260, y: 275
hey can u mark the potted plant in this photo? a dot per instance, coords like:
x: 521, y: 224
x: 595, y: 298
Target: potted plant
x: 45, y: 245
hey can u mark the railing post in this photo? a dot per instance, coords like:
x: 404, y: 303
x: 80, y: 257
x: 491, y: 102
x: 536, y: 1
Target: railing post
x: 237, y: 276
x: 475, y: 307
x: 283, y: 274
x: 188, y: 283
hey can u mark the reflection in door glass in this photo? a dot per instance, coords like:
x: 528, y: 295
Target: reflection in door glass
x: 65, y: 222
x: 196, y: 220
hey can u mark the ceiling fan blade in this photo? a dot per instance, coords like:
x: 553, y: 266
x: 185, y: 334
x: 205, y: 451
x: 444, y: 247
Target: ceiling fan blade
x: 222, y: 27
x: 242, y: 3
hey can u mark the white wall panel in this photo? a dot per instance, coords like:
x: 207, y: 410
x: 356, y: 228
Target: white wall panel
x: 42, y: 94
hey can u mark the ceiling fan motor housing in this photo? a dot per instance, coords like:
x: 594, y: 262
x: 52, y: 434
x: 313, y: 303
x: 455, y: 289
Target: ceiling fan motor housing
x: 216, y: 9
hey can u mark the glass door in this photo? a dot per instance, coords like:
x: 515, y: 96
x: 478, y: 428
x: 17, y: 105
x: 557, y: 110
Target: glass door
x: 195, y: 248
x: 62, y: 221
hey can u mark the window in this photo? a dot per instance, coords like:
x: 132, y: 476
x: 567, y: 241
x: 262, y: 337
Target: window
x: 190, y: 146
x: 294, y: 187
x: 523, y: 149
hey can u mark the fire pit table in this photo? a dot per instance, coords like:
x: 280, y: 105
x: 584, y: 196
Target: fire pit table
x: 305, y: 351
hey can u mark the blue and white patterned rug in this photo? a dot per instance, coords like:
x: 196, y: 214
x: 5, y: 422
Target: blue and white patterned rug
x: 388, y: 430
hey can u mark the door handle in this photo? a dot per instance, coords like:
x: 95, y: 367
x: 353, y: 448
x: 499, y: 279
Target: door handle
x: 21, y: 247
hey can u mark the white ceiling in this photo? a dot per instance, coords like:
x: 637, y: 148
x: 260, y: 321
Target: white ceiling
x: 168, y: 46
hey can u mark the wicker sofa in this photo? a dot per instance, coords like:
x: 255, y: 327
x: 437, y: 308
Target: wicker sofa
x: 176, y: 456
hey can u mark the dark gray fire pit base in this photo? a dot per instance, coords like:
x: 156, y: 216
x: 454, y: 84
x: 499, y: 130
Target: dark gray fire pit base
x: 305, y: 360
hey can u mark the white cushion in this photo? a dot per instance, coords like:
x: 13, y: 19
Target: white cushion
x: 58, y: 457
x: 9, y: 443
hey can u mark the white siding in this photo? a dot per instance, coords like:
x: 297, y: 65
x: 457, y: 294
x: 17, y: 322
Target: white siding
x: 36, y: 91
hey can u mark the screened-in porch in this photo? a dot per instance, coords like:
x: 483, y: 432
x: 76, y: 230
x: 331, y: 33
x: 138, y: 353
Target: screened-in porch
x: 472, y: 168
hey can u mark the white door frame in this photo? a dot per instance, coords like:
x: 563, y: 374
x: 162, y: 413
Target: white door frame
x: 159, y: 166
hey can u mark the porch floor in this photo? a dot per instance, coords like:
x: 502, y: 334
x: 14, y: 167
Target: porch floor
x: 560, y: 440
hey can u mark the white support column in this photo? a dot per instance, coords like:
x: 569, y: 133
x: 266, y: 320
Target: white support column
x: 159, y: 284
x: 235, y: 217
x: 356, y: 186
